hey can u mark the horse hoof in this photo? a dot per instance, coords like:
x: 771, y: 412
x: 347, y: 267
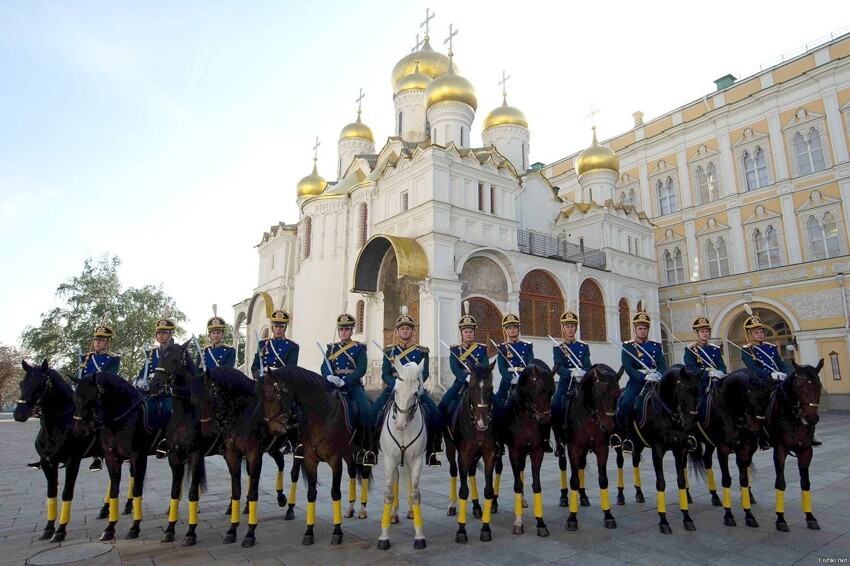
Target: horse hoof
x: 410, y: 515
x: 813, y: 524
x: 308, y: 540
x: 46, y: 534
x: 583, y: 501
x: 563, y: 502
x: 452, y: 512
x: 248, y: 542
x: 229, y: 538
x: 573, y: 525
x: 729, y: 521
x: 621, y: 500
x: 107, y: 536
x: 477, y: 513
x: 349, y: 514
x: 524, y: 502
x: 190, y: 540
x: 689, y: 526
x: 639, y: 498
x: 384, y: 544
x: 128, y: 507
x: 665, y: 529
x: 782, y: 527
x: 336, y: 539
x: 167, y: 537
x: 394, y: 520
x: 715, y: 500
x: 461, y: 538
x: 486, y: 536
x: 290, y: 514
x: 132, y: 534
x: 419, y: 544
x: 281, y: 500
x: 543, y: 531
x: 751, y: 522
x: 58, y: 537
x: 610, y: 524
x: 362, y: 514
x: 519, y: 529
x: 104, y: 512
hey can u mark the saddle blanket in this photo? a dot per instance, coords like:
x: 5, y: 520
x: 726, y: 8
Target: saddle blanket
x: 156, y: 412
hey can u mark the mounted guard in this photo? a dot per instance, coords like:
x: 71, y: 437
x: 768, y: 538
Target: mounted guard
x: 217, y: 354
x: 468, y: 352
x: 704, y: 358
x: 572, y: 360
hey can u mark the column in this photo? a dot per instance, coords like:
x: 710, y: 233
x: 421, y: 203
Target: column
x: 792, y: 234
x: 777, y: 147
x: 684, y: 178
x: 837, y: 141
x: 739, y: 244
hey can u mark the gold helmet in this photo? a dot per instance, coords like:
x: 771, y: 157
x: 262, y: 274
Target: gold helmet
x: 104, y: 330
x: 467, y: 320
x: 279, y: 318
x: 641, y: 317
x: 701, y: 321
x: 345, y: 320
x: 216, y: 322
x: 510, y: 319
x: 751, y: 322
x: 568, y: 316
x: 165, y: 322
x: 405, y: 319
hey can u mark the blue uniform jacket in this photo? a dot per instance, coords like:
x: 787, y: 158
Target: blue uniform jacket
x: 649, y: 353
x: 276, y: 353
x: 508, y: 361
x: 106, y: 361
x: 153, y: 363
x: 348, y: 361
x: 565, y: 362
x: 405, y: 354
x: 218, y: 357
x: 473, y: 354
x: 695, y: 358
x: 763, y: 359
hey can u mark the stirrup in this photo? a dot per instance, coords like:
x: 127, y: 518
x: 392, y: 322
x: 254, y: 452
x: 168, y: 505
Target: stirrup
x: 433, y: 461
x: 286, y: 447
x: 298, y: 453
x: 615, y: 441
x: 161, y: 449
x: 358, y: 457
x: 764, y: 444
x: 96, y: 464
x: 816, y: 441
x: 628, y: 446
x: 547, y: 446
x: 692, y: 443
x: 559, y: 450
x: 35, y: 465
x: 369, y: 458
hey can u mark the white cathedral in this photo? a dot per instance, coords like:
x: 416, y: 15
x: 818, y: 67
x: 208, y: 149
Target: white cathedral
x: 432, y: 219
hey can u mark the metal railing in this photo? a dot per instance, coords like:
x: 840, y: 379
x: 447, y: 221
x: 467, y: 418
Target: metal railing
x: 544, y: 245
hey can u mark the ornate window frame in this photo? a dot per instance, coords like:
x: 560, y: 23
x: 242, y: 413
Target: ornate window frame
x: 802, y: 123
x: 712, y: 232
x: 749, y: 142
x: 628, y: 191
x: 701, y: 159
x: 818, y: 205
x: 665, y: 174
x: 760, y: 220
x: 671, y: 243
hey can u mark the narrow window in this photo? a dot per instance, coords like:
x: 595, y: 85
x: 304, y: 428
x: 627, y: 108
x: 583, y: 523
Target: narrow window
x: 481, y: 197
x: 492, y: 199
x: 404, y: 201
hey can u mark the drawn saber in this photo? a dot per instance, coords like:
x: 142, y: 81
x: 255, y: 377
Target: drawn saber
x: 635, y: 358
x: 260, y: 355
x: 325, y: 357
x: 572, y: 357
x: 759, y: 360
x: 200, y: 353
x: 704, y: 355
x: 80, y: 358
x: 507, y: 361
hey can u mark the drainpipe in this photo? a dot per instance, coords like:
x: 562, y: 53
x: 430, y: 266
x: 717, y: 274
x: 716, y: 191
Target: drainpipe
x: 840, y: 278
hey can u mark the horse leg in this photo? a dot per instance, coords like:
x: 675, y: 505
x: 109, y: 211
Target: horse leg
x: 409, y: 497
x: 602, y: 470
x: 114, y: 469
x: 104, y: 511
x: 178, y: 469
x: 572, y: 519
x: 779, y: 455
x: 451, y: 456
x: 234, y: 465
x: 51, y: 474
x: 416, y: 499
x: 709, y: 473
x: 639, y: 498
x: 197, y: 468
x: 277, y: 456
x: 522, y: 481
x: 486, y: 534
x: 72, y: 469
x: 394, y: 510
x: 621, y: 480
x: 518, y: 499
x: 726, y: 483
x: 352, y: 489
x: 750, y: 479
x: 537, y: 489
x: 293, y: 489
x: 248, y: 483
x: 390, y: 499
x: 660, y: 486
x: 497, y: 480
x: 139, y: 468
x: 473, y: 491
x: 744, y: 479
x: 582, y: 493
x: 311, y: 465
x: 463, y: 496
x: 255, y: 468
x: 366, y: 476
x: 336, y: 497
x: 682, y: 483
x: 128, y: 504
x: 562, y: 466
x: 804, y: 458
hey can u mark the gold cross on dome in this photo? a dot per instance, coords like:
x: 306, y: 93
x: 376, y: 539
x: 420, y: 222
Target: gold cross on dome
x: 418, y: 44
x: 504, y: 82
x: 592, y: 115
x: 316, y: 148
x: 359, y: 100
x: 450, y: 39
x: 426, y: 23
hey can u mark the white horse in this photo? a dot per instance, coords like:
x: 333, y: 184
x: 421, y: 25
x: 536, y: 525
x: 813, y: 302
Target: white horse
x: 403, y: 440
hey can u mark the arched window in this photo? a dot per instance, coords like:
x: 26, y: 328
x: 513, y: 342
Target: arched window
x: 489, y: 323
x: 809, y: 152
x: 308, y: 235
x: 540, y: 304
x: 666, y: 196
x: 632, y: 198
x: 823, y: 238
x: 830, y: 233
x: 713, y: 185
x: 674, y: 267
x: 364, y: 224
x: 711, y: 255
x: 718, y: 258
x: 702, y: 185
x: 461, y: 137
x: 767, y: 248
x: 400, y: 122
x: 591, y: 312
x: 361, y: 315
x: 428, y: 129
x: 625, y: 320
x: 755, y: 169
x: 524, y: 156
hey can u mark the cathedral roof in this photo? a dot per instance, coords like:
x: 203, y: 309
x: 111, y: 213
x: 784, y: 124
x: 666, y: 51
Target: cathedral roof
x: 505, y: 115
x: 431, y: 64
x: 450, y: 87
x: 597, y: 157
x: 583, y: 208
x: 311, y: 185
x: 357, y: 129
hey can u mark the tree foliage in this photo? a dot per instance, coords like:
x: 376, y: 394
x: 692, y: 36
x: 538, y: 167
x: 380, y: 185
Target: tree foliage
x: 11, y: 374
x: 86, y: 297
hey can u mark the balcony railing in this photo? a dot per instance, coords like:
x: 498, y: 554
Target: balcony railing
x: 544, y: 245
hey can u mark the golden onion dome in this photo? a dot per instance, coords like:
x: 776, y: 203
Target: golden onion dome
x: 431, y: 63
x: 416, y: 80
x: 505, y: 114
x: 311, y: 185
x: 597, y: 157
x: 357, y: 129
x: 450, y: 87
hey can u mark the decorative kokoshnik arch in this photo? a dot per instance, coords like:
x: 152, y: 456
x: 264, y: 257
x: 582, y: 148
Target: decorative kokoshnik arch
x: 411, y: 258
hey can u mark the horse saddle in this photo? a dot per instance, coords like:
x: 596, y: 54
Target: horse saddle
x: 642, y: 406
x: 454, y: 411
x: 706, y: 405
x: 156, y: 412
x: 349, y: 410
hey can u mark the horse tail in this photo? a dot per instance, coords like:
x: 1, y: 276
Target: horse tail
x: 479, y: 465
x: 358, y: 471
x: 199, y: 471
x: 302, y: 470
x: 696, y: 461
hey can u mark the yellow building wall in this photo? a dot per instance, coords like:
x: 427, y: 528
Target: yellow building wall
x: 742, y: 90
x: 692, y: 150
x: 696, y: 110
x: 656, y: 127
x: 839, y: 50
x: 830, y: 371
x: 620, y: 142
x: 793, y: 69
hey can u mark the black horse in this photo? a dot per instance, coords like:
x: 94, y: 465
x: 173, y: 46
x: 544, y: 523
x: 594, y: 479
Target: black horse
x: 45, y: 395
x: 668, y: 423
x: 108, y: 403
x: 530, y: 408
x: 327, y: 437
x: 589, y: 425
x: 735, y: 410
x: 472, y: 440
x: 791, y: 421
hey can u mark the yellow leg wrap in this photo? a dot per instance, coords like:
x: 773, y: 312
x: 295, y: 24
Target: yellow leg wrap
x: 137, y: 508
x: 488, y: 505
x: 581, y: 478
x: 662, y: 505
x: 364, y: 491
x: 278, y: 485
x: 522, y: 478
x: 311, y: 513
x: 712, y: 486
x: 65, y: 517
x: 538, y: 505
x: 497, y: 479
x: 410, y: 493
x: 473, y: 488
x: 252, y: 512
x: 234, y: 511
x: 130, y: 485
x: 573, y: 501
x: 518, y: 504
x: 621, y: 483
x: 417, y: 516
x: 745, y: 497
x: 563, y: 479
x: 51, y: 509
x: 108, y: 489
x: 807, y: 502
x: 604, y: 501
x: 780, y: 501
x: 337, y: 512
x: 683, y: 499
x: 193, y: 512
x: 461, y: 512
x: 727, y: 498
x: 452, y: 489
x: 636, y: 472
x: 172, y: 510
x: 113, y: 510
x: 395, y: 494
x: 293, y: 489
x: 385, y: 519
x: 352, y: 489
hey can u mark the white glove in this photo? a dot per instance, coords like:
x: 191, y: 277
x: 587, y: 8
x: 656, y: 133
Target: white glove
x: 716, y: 374
x: 143, y: 384
x: 515, y: 379
x: 466, y: 379
x: 577, y: 373
x: 653, y: 377
x: 779, y: 376
x: 336, y: 380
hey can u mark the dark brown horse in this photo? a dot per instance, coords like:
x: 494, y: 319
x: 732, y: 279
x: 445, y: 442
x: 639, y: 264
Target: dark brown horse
x: 589, y: 425
x: 791, y: 422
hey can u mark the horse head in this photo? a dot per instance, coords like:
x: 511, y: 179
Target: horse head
x: 806, y: 387
x: 277, y: 400
x: 600, y: 390
x: 480, y: 395
x: 87, y: 400
x: 680, y: 391
x: 748, y: 396
x: 172, y: 372
x: 406, y: 394
x: 535, y: 389
x: 202, y: 400
x: 35, y: 385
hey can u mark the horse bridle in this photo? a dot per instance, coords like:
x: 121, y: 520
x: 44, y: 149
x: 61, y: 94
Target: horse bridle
x: 410, y: 411
x: 796, y: 405
x: 35, y: 407
x: 528, y: 403
x: 479, y: 405
x: 282, y: 417
x: 594, y: 412
x: 678, y: 416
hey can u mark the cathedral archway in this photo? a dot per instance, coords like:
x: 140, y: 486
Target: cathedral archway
x: 489, y: 323
x: 398, y: 292
x: 777, y: 331
x: 540, y: 304
x: 411, y: 261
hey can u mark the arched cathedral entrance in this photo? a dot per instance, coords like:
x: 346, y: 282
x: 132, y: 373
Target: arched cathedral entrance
x: 776, y: 331
x: 398, y: 292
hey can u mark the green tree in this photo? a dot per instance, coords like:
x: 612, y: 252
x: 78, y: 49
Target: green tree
x: 86, y: 297
x: 11, y: 374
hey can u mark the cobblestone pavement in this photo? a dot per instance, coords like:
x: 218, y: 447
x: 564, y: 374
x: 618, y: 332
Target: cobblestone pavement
x: 635, y: 541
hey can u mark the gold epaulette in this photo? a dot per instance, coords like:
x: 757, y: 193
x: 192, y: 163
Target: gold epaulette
x: 424, y: 350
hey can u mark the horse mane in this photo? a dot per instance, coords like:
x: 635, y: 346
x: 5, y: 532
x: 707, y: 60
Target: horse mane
x: 59, y: 382
x: 233, y: 380
x: 304, y: 375
x: 537, y: 364
x: 481, y: 372
x: 117, y: 382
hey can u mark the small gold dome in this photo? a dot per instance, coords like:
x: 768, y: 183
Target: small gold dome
x: 450, y: 87
x: 311, y: 185
x: 505, y: 114
x: 597, y: 157
x: 414, y: 81
x: 431, y: 64
x: 357, y: 129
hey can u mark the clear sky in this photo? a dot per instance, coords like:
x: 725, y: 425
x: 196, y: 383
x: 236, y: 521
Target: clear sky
x: 172, y: 134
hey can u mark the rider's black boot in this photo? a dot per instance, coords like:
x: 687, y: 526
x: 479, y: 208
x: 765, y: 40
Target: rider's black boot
x: 435, y: 447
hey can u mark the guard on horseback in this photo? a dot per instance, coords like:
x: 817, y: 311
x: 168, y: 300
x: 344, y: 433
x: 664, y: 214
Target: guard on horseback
x: 344, y: 366
x: 706, y: 359
x: 468, y: 352
x: 572, y: 360
x: 217, y: 354
x: 406, y: 351
x: 644, y: 362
